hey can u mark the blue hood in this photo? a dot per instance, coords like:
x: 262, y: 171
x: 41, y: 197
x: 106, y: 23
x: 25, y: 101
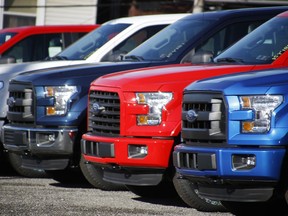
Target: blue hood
x: 76, y: 74
x: 270, y: 81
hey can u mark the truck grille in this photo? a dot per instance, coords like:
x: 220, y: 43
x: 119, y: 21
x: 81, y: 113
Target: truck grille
x: 104, y: 113
x: 203, y: 118
x: 20, y: 103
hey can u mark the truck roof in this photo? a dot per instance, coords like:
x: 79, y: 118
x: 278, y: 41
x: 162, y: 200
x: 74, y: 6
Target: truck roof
x: 51, y: 28
x: 155, y: 18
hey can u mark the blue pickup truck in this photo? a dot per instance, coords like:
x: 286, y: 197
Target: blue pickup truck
x: 235, y: 139
x: 104, y: 44
x: 48, y: 108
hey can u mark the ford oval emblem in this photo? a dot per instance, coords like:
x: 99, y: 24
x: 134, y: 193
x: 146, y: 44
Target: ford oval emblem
x: 11, y: 101
x: 191, y: 115
x: 97, y: 108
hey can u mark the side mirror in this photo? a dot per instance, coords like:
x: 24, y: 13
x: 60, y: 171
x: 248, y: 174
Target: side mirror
x: 7, y: 60
x: 202, y: 57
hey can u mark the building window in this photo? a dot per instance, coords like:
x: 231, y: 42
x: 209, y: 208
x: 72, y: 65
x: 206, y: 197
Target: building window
x: 19, y: 13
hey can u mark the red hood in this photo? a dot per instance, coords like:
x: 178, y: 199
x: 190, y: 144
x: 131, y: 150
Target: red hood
x: 154, y: 78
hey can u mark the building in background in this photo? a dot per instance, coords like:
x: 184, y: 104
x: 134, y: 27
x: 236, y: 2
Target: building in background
x: 50, y: 12
x: 46, y: 12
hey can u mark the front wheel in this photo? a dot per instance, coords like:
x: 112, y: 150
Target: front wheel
x: 16, y: 162
x: 5, y: 166
x: 189, y: 194
x: 94, y: 176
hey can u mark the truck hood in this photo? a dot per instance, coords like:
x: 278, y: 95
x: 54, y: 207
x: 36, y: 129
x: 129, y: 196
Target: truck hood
x: 269, y: 81
x: 76, y: 74
x: 154, y: 78
x: 29, y: 66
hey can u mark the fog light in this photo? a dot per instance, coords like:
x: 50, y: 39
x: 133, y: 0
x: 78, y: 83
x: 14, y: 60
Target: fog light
x: 243, y: 162
x: 45, y: 139
x: 51, y: 138
x: 137, y: 151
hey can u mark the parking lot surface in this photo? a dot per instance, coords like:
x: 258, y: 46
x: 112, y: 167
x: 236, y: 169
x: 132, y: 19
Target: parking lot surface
x: 44, y: 196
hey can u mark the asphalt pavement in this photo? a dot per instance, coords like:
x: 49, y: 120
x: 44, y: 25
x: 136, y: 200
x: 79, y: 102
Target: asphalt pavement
x: 45, y: 196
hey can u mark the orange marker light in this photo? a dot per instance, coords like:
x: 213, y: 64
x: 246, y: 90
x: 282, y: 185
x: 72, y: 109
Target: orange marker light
x: 247, y: 126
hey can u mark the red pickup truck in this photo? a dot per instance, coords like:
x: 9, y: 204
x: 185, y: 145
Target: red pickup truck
x: 34, y: 43
x: 134, y: 117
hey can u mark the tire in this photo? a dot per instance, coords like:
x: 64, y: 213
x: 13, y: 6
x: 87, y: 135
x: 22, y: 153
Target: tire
x: 94, y: 175
x: 68, y: 176
x: 163, y: 189
x: 16, y: 161
x: 189, y: 194
x: 5, y: 166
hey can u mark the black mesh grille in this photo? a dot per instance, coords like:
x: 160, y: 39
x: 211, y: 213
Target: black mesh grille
x: 194, y: 161
x: 104, y: 113
x: 203, y: 118
x: 188, y: 160
x: 20, y: 103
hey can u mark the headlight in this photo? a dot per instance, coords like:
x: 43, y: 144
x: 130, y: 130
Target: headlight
x: 156, y: 101
x: 1, y: 84
x: 61, y: 95
x: 263, y: 106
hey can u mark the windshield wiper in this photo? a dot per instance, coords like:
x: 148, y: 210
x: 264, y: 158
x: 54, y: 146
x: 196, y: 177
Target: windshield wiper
x: 58, y: 57
x: 133, y: 57
x: 230, y: 60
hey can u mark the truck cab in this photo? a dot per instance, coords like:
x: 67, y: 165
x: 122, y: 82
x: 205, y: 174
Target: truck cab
x: 35, y: 43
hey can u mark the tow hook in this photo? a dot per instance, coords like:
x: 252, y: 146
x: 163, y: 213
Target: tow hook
x: 115, y: 167
x: 181, y: 177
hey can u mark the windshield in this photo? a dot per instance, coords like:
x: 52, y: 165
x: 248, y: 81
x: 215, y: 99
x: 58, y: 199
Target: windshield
x: 88, y: 44
x: 6, y: 36
x: 172, y: 40
x: 261, y: 46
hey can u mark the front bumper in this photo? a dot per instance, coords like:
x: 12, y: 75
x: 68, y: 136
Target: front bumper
x: 31, y: 162
x: 259, y: 193
x: 218, y: 162
x: 121, y: 161
x: 38, y: 141
x: 214, y: 170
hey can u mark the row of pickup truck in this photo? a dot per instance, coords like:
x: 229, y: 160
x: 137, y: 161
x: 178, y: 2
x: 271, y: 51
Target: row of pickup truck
x: 137, y: 122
